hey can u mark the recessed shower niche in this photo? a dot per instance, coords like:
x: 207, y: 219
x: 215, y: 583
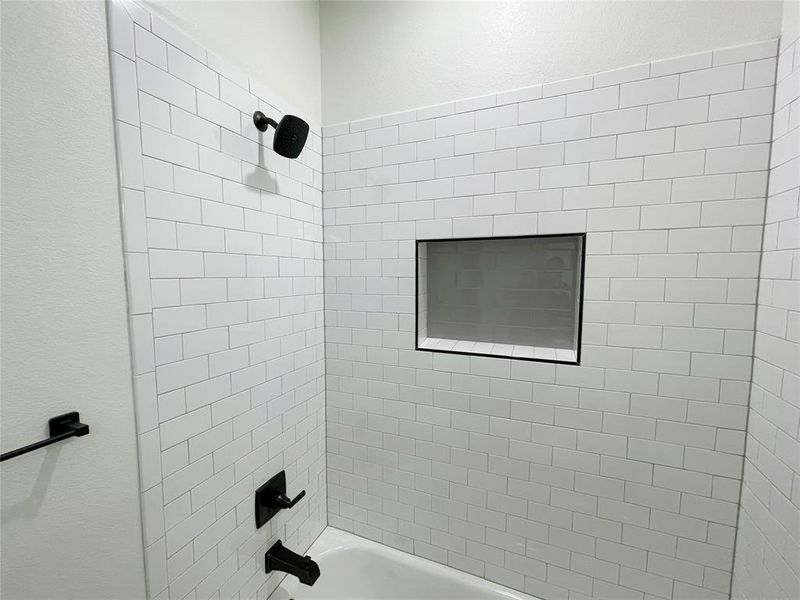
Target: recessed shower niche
x: 517, y: 297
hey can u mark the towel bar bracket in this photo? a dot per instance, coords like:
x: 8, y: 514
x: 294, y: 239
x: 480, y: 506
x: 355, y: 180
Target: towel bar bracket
x: 61, y: 428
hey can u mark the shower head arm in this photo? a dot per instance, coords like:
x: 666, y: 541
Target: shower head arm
x: 262, y: 121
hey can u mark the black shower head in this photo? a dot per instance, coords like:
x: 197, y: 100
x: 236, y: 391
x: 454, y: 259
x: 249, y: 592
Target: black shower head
x: 290, y: 134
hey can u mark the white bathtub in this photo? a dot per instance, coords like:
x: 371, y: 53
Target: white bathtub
x: 353, y: 568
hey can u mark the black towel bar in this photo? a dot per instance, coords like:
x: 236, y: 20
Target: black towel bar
x: 61, y: 427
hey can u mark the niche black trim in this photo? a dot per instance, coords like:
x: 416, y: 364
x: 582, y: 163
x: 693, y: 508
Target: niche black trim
x: 581, y: 235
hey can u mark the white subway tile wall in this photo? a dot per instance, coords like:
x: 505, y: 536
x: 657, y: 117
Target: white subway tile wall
x: 223, y: 254
x: 768, y: 541
x: 618, y: 478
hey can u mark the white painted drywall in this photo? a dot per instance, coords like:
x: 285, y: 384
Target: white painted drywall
x: 791, y: 19
x: 380, y: 57
x: 275, y: 42
x: 69, y: 514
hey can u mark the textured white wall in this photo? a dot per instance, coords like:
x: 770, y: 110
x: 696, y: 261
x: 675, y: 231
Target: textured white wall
x: 70, y: 514
x: 380, y: 57
x: 277, y: 42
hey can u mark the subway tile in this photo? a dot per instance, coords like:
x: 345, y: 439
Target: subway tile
x: 217, y: 111
x: 649, y: 91
x: 129, y: 156
x: 190, y: 70
x: 571, y: 128
x: 455, y: 124
x: 745, y: 52
x: 166, y: 87
x: 716, y: 80
x: 736, y: 159
x: 680, y: 64
x: 495, y: 118
x: 597, y: 100
x: 707, y: 135
x: 746, y: 103
x: 619, y: 121
x: 613, y: 171
x: 567, y: 86
x: 658, y: 141
x: 677, y: 112
x: 589, y: 150
x: 678, y: 164
x: 670, y: 216
x: 167, y: 147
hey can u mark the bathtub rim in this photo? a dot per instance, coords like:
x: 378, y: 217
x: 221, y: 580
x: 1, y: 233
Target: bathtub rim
x: 333, y: 540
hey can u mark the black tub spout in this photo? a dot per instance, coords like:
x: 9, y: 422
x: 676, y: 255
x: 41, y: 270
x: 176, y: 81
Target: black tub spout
x: 280, y: 558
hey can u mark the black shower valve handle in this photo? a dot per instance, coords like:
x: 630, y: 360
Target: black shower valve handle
x: 271, y: 498
x: 283, y: 501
